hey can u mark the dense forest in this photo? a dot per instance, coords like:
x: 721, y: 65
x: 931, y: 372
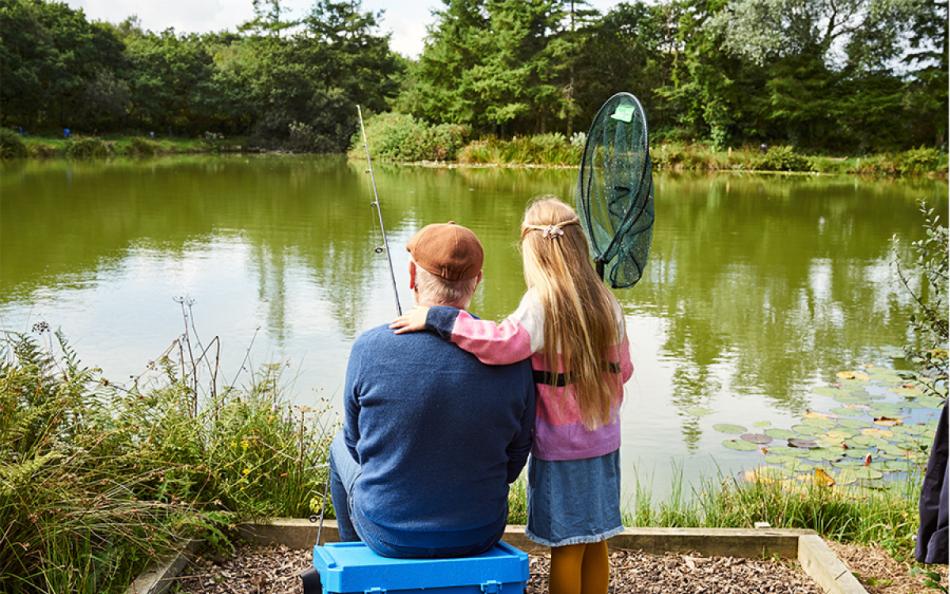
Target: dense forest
x: 850, y: 76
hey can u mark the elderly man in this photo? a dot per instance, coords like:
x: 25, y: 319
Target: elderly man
x: 432, y: 438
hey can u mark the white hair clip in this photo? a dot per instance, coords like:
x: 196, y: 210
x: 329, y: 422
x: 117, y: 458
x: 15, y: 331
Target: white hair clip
x: 552, y: 232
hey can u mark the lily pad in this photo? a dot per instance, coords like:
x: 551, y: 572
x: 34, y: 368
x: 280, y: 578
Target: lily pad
x: 853, y: 423
x: 875, y: 432
x: 758, y: 438
x: 777, y: 433
x: 807, y: 444
x: 762, y: 424
x: 740, y: 445
x: 853, y: 375
x: 866, y: 473
x: 699, y: 411
x: 729, y: 428
x: 814, y: 430
x: 782, y: 459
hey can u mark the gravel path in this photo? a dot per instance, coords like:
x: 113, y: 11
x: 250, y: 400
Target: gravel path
x: 273, y: 570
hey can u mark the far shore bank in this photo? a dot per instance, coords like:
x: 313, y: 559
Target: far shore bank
x: 532, y: 152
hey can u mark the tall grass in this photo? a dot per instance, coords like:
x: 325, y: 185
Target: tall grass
x: 96, y: 480
x: 884, y: 515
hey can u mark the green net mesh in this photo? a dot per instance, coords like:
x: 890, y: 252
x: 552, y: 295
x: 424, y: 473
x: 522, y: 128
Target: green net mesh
x: 615, y: 190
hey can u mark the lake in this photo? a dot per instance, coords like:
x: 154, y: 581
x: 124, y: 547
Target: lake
x: 759, y: 288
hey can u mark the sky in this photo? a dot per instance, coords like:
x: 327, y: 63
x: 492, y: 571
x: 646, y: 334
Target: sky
x: 405, y: 19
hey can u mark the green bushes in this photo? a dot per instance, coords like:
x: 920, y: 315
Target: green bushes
x: 402, y: 138
x: 96, y: 480
x: 85, y: 147
x: 142, y: 147
x: 540, y: 149
x: 781, y: 158
x: 11, y: 145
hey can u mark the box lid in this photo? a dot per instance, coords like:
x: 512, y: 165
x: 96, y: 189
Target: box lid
x: 354, y: 567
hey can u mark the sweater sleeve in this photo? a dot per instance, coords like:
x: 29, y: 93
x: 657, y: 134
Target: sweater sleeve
x: 351, y: 402
x: 515, y: 339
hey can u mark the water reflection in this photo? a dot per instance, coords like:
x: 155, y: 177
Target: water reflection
x: 757, y: 286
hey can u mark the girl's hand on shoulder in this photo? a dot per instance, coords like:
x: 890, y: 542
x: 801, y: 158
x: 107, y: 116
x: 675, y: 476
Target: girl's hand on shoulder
x: 412, y: 321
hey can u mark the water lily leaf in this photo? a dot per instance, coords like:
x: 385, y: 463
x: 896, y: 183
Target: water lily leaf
x: 807, y: 444
x: 762, y: 424
x: 888, y: 409
x: 839, y: 434
x: 853, y: 375
x: 853, y: 423
x: 740, y: 445
x: 766, y: 474
x: 896, y: 466
x: 782, y: 459
x: 919, y: 429
x: 825, y: 454
x: 729, y: 428
x: 819, y: 422
x: 759, y: 438
x: 813, y: 414
x: 888, y: 421
x: 874, y: 432
x: 908, y: 390
x: 866, y: 473
x: 813, y: 430
x: 777, y: 433
x: 848, y: 397
x: 698, y: 411
x: 867, y: 440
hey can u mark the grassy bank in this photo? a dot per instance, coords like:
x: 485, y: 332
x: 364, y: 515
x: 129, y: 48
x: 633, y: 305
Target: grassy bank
x: 79, y: 146
x: 97, y: 480
x: 401, y: 138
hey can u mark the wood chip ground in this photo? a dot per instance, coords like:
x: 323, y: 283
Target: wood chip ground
x: 879, y: 573
x: 274, y: 570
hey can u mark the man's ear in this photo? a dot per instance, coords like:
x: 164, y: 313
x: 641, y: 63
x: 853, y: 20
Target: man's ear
x: 412, y: 275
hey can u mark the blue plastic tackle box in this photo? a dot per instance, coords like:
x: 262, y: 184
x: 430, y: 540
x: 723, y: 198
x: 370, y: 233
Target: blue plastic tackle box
x: 351, y: 567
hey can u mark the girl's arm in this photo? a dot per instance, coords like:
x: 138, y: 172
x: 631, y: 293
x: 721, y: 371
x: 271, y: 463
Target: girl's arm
x: 493, y: 343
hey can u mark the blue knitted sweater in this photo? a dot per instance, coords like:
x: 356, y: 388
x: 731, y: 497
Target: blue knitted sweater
x: 438, y: 436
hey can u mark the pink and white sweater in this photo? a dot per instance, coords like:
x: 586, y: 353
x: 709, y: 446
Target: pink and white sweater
x: 560, y: 433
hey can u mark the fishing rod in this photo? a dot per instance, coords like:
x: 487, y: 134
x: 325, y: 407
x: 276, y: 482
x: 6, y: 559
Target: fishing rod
x: 379, y: 212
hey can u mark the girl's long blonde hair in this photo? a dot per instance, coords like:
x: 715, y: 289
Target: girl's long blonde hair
x: 579, y: 322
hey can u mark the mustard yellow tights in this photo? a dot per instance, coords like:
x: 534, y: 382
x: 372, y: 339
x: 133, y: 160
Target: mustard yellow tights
x: 580, y: 569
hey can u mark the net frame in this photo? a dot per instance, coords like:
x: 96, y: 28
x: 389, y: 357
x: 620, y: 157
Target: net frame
x: 630, y: 234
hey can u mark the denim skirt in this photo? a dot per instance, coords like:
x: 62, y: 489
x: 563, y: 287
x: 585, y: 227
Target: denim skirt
x: 574, y: 501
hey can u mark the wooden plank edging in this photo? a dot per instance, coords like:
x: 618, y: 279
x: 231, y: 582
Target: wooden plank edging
x: 822, y: 565
x: 158, y: 579
x: 817, y: 560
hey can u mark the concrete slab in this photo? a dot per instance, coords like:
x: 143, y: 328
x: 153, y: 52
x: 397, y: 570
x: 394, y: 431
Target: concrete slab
x: 823, y: 566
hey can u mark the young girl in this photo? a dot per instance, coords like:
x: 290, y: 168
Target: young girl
x: 572, y: 329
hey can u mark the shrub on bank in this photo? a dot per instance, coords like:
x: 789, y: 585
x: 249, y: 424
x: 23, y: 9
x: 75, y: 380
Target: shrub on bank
x: 86, y: 147
x: 11, y: 145
x: 781, y: 158
x: 540, y: 149
x: 400, y: 137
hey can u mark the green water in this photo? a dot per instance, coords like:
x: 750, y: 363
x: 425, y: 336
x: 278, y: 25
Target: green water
x: 758, y: 288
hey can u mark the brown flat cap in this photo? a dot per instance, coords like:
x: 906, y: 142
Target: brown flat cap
x: 447, y: 250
